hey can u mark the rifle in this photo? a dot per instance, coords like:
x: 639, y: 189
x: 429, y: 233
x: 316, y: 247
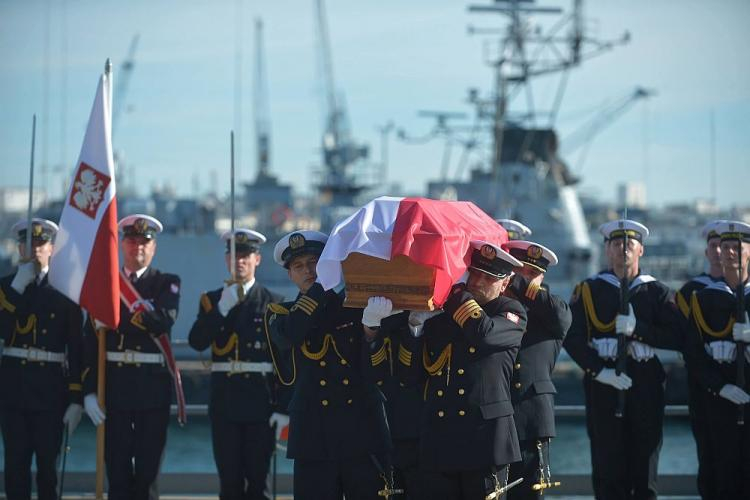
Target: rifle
x: 739, y: 317
x: 622, y: 354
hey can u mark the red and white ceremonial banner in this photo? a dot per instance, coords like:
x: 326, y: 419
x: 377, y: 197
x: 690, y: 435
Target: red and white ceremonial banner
x: 430, y: 232
x: 85, y: 256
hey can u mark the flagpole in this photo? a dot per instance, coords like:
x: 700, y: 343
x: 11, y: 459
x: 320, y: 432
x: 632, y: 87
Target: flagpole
x: 101, y: 361
x: 29, y: 252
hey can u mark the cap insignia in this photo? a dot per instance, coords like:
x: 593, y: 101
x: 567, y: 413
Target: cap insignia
x: 534, y: 252
x: 488, y: 252
x: 296, y: 241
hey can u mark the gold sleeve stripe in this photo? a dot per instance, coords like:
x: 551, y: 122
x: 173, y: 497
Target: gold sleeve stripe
x: 467, y: 310
x: 683, y: 305
x: 307, y: 300
x: 278, y: 308
x: 404, y: 356
x: 379, y: 356
x: 75, y: 387
x: 303, y: 307
x: 4, y: 304
x: 206, y: 303
x: 695, y: 308
x: 532, y: 290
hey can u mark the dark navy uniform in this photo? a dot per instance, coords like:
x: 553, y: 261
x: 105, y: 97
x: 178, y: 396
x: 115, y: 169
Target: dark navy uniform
x: 338, y: 435
x: 388, y: 358
x: 466, y: 356
x: 532, y: 392
x: 624, y: 451
x: 242, y: 390
x: 709, y: 356
x: 696, y: 399
x: 35, y: 392
x: 138, y: 394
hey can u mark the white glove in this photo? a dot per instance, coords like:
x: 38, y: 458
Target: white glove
x: 377, y: 309
x: 639, y: 351
x: 26, y: 274
x: 93, y: 410
x: 734, y: 394
x: 625, y: 323
x: 741, y: 332
x: 98, y: 325
x: 278, y: 421
x: 228, y: 300
x: 417, y: 319
x: 620, y: 382
x: 605, y: 347
x: 722, y: 351
x: 72, y: 416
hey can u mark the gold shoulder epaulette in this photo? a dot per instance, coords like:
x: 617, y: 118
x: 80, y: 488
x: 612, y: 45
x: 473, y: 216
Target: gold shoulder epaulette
x: 277, y: 308
x: 206, y: 303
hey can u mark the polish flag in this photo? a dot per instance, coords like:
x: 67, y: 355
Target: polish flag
x: 85, y: 257
x: 433, y: 233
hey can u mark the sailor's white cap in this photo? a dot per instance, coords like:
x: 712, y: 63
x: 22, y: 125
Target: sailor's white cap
x: 708, y: 231
x: 733, y: 230
x: 298, y: 243
x: 41, y: 229
x: 532, y: 254
x: 245, y: 240
x: 140, y: 225
x: 619, y: 228
x: 516, y: 230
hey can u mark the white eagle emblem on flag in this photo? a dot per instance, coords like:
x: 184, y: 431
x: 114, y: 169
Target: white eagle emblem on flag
x: 88, y: 190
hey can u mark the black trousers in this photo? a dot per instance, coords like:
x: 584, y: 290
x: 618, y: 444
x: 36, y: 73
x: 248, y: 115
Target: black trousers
x: 134, y: 443
x: 730, y: 448
x: 625, y: 451
x: 357, y: 477
x: 242, y: 452
x: 706, y: 480
x: 406, y: 472
x: 25, y: 434
x: 463, y: 485
x: 528, y: 469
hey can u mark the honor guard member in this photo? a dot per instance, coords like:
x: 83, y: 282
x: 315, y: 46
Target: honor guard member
x: 230, y: 321
x: 716, y: 343
x: 464, y: 360
x: 515, y: 230
x: 138, y: 383
x: 389, y: 358
x: 338, y: 435
x: 533, y: 393
x: 706, y: 479
x: 40, y: 392
x: 624, y: 450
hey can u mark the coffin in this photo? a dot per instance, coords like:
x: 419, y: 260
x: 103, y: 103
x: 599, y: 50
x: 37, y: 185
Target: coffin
x: 409, y: 285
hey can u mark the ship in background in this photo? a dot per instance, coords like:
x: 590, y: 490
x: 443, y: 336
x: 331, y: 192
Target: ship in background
x: 516, y: 169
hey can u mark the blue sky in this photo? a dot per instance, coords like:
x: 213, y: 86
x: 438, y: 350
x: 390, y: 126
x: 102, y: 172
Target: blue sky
x: 391, y: 58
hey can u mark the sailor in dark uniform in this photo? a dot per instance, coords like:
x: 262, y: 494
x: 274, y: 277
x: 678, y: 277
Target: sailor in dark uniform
x: 532, y: 389
x: 338, y: 435
x: 40, y: 371
x: 138, y: 383
x: 706, y: 478
x: 716, y: 342
x: 624, y: 450
x: 464, y: 361
x: 230, y: 321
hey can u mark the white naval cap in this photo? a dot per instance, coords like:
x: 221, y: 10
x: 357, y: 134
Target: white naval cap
x: 140, y: 225
x: 41, y: 229
x: 619, y: 228
x: 532, y: 254
x: 492, y: 259
x: 516, y: 230
x: 245, y: 240
x: 733, y: 230
x: 298, y: 243
x: 708, y: 231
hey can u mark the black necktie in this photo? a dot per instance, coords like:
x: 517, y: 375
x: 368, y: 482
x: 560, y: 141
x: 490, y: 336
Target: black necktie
x: 133, y: 278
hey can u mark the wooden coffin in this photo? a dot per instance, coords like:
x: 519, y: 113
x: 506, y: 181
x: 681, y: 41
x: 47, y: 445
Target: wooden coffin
x: 409, y: 285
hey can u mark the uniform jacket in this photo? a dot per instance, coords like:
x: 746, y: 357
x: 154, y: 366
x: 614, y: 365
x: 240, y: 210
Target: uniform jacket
x: 40, y: 318
x: 464, y: 359
x: 137, y: 386
x: 595, y: 304
x: 334, y: 411
x: 712, y: 315
x: 532, y: 389
x: 242, y: 397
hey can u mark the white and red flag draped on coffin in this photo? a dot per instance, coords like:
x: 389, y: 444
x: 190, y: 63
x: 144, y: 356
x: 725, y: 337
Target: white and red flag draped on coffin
x: 85, y: 256
x: 430, y: 232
